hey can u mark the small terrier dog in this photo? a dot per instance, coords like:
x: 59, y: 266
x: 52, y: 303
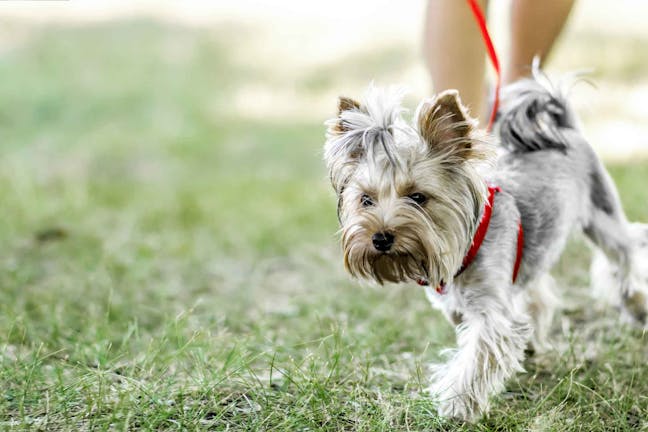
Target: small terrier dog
x: 435, y: 202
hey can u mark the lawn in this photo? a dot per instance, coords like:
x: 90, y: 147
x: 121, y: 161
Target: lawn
x: 167, y: 263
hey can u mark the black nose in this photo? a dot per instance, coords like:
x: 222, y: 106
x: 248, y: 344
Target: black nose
x: 382, y: 241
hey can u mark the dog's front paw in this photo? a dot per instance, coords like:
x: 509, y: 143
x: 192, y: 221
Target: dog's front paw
x: 457, y: 409
x: 456, y: 406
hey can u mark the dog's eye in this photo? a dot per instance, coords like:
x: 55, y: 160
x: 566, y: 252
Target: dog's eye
x: 366, y: 200
x: 418, y: 198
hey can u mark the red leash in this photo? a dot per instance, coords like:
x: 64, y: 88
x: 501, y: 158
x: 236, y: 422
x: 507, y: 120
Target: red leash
x: 492, y: 54
x: 483, y: 224
x: 481, y: 21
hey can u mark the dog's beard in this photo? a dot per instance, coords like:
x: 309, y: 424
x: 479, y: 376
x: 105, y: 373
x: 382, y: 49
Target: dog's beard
x: 398, y: 265
x: 419, y: 251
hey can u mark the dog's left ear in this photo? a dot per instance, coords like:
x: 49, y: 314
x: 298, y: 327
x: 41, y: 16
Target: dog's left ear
x: 445, y: 125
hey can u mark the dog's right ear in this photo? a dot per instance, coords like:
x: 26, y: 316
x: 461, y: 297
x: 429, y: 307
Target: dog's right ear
x: 341, y: 151
x: 344, y: 104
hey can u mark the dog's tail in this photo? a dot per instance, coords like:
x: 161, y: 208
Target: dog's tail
x: 534, y: 115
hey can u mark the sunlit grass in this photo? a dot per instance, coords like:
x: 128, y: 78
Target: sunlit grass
x: 168, y: 264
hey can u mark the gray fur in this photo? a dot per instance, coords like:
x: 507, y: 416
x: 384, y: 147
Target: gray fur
x: 556, y: 181
x: 534, y: 116
x: 553, y: 183
x: 599, y: 193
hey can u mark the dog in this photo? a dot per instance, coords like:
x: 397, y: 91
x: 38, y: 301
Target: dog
x: 479, y: 221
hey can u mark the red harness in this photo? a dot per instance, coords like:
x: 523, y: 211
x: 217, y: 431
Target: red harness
x: 478, y: 239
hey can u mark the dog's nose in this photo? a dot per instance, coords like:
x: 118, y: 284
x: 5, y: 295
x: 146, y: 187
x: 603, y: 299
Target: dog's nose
x: 382, y: 241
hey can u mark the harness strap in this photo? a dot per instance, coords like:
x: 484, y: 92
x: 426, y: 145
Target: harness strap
x: 482, y: 229
x: 478, y: 239
x: 520, y: 248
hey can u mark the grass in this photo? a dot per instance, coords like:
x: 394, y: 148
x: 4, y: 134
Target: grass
x: 167, y: 264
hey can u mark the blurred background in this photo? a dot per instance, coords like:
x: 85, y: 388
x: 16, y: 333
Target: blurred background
x: 164, y: 206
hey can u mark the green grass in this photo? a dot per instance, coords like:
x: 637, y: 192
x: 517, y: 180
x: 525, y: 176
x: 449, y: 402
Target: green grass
x: 168, y: 264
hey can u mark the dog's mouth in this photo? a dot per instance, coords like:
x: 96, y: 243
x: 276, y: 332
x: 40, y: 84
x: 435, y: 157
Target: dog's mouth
x: 403, y: 263
x: 398, y: 267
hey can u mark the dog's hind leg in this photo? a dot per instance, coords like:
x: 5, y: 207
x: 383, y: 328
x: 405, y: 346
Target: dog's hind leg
x: 609, y: 229
x: 607, y: 276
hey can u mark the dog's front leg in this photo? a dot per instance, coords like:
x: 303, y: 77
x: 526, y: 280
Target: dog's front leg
x: 491, y: 339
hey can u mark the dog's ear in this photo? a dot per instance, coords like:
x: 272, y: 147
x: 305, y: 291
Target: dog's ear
x: 446, y: 126
x: 341, y: 152
x: 344, y: 104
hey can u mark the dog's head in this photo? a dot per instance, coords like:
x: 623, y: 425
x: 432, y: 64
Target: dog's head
x: 408, y: 196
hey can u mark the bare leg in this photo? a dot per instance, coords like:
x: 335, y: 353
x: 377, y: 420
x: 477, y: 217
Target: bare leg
x: 454, y: 51
x: 535, y: 25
